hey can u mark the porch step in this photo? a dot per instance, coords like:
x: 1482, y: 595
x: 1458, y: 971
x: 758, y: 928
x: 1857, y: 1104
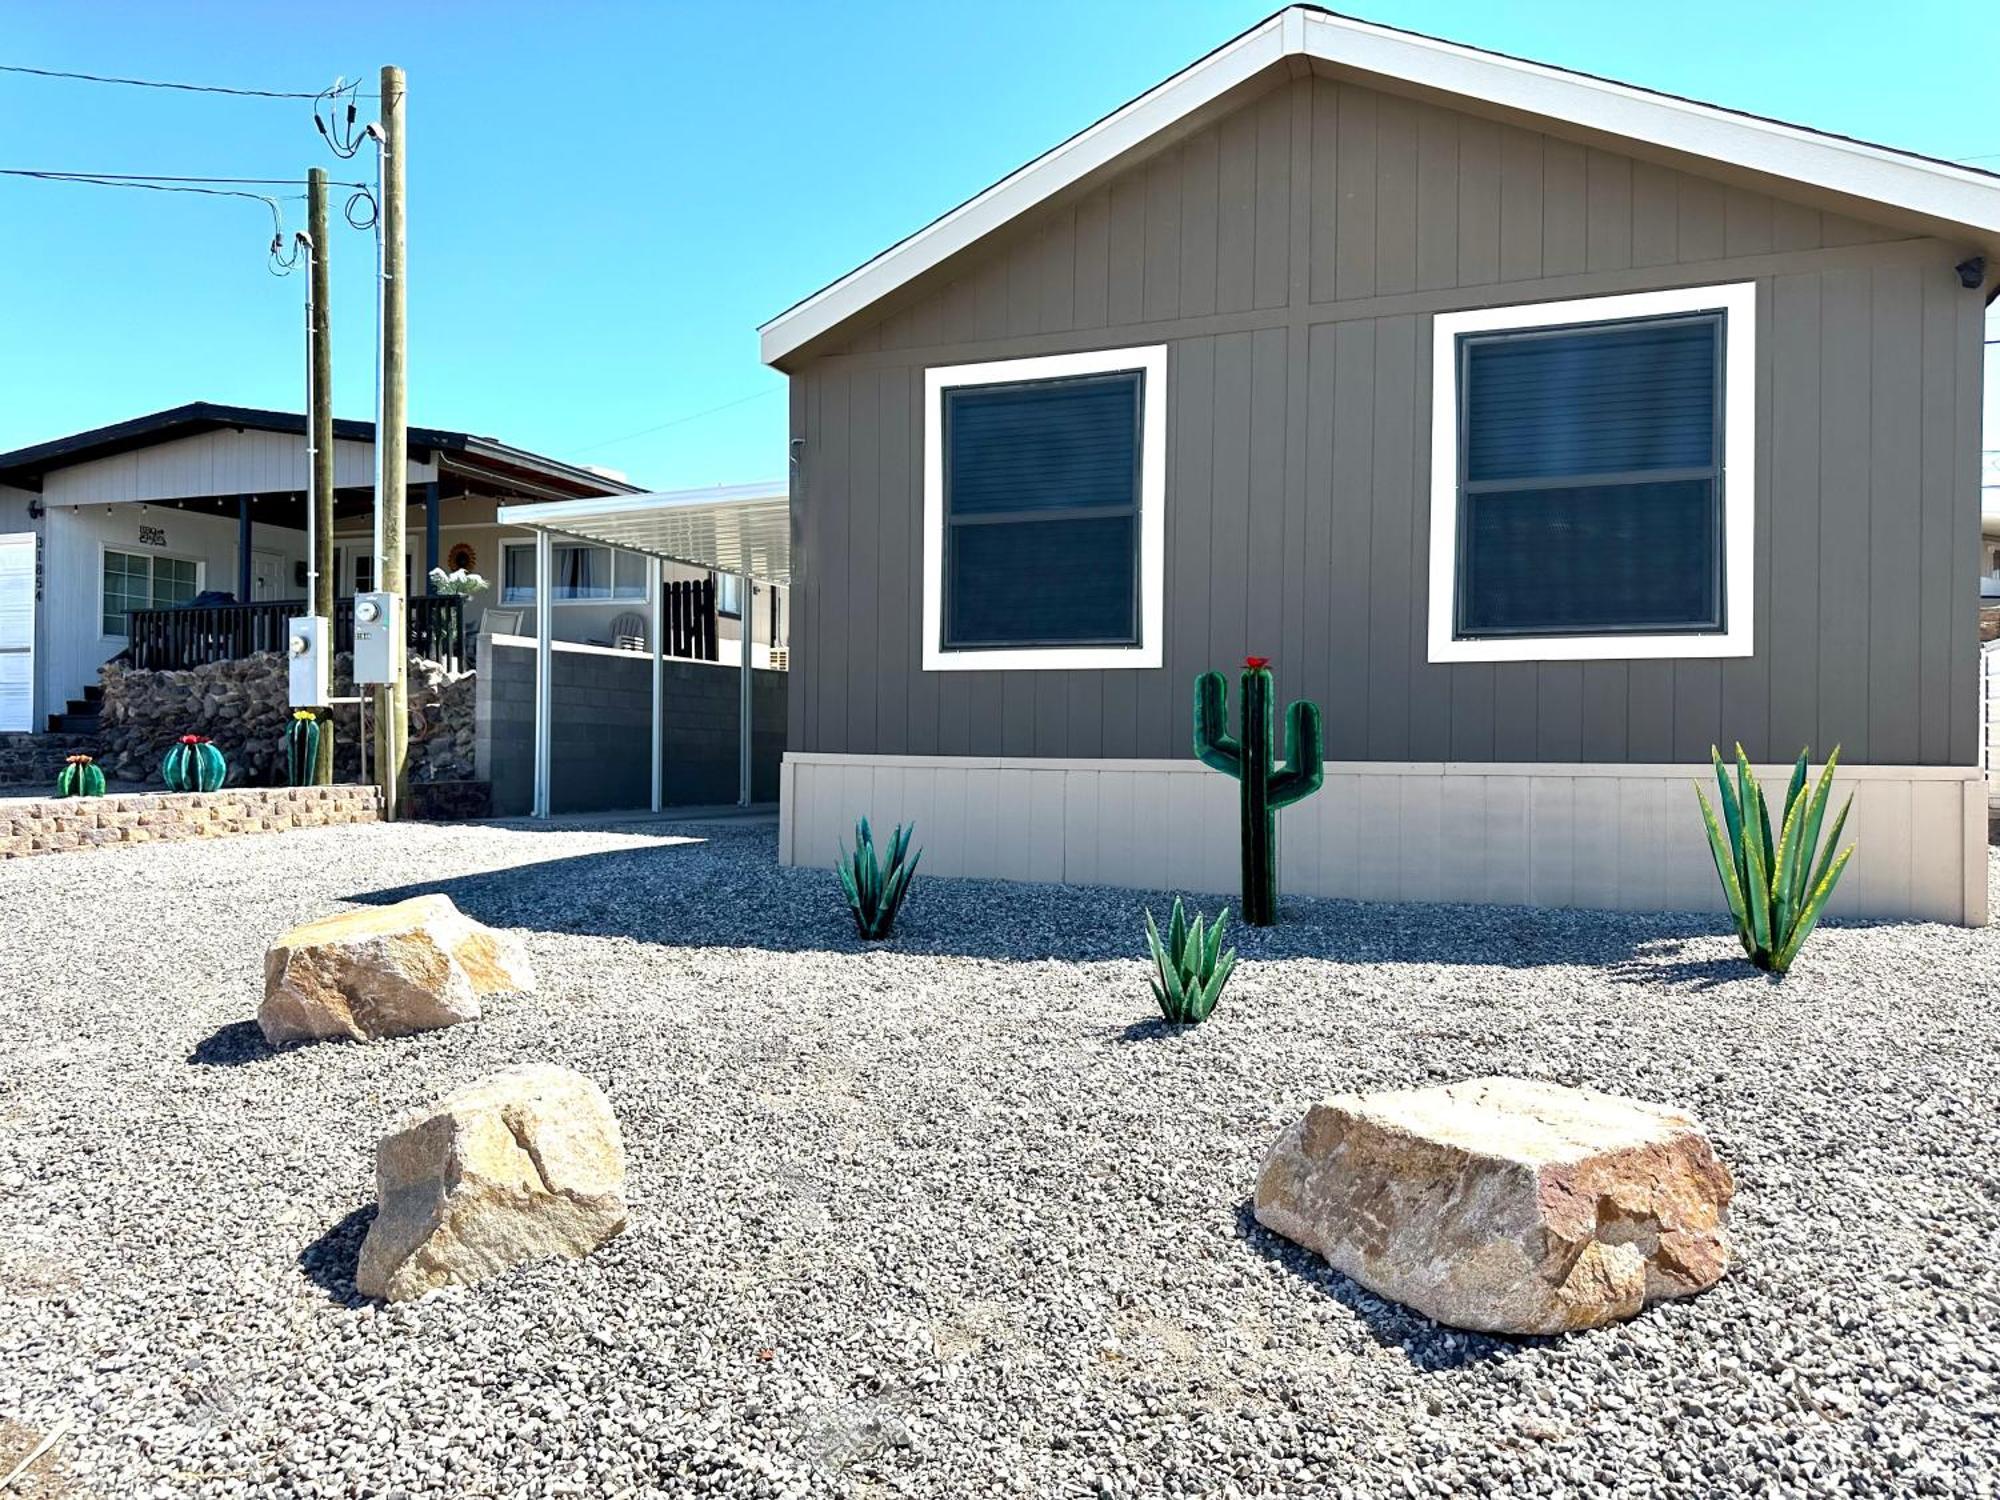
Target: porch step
x: 81, y: 714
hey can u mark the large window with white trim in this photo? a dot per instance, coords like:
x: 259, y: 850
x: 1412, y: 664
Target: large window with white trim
x: 1592, y: 486
x: 143, y: 580
x: 1043, y: 526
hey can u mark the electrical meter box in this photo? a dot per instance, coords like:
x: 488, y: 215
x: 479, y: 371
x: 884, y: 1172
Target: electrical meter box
x: 306, y: 640
x: 378, y: 636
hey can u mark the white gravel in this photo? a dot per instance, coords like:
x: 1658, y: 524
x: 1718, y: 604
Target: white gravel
x: 952, y: 1217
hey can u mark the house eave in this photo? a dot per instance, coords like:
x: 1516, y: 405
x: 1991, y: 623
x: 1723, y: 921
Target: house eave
x: 1933, y: 196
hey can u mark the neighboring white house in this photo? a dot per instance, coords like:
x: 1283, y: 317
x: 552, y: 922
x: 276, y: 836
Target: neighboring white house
x: 208, y: 499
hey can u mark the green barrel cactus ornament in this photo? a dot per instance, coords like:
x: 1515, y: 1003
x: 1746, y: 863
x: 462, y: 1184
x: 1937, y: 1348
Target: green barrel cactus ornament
x: 80, y: 776
x: 193, y: 765
x: 1266, y: 786
x: 308, y: 736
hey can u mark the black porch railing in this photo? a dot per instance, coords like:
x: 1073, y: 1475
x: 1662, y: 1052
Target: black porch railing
x: 690, y: 620
x: 171, y: 640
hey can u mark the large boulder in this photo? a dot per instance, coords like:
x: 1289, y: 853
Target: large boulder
x: 523, y: 1164
x: 1504, y: 1205
x: 385, y: 971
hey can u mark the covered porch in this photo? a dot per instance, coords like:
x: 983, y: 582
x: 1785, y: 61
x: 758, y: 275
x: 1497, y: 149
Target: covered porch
x: 179, y: 538
x: 740, y: 532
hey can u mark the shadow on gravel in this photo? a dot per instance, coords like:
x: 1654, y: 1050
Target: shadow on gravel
x: 329, y: 1261
x: 728, y: 891
x: 232, y: 1046
x: 1151, y: 1029
x: 1687, y: 973
x: 1427, y: 1345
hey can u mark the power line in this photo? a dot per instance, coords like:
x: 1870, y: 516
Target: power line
x: 207, y: 187
x: 150, y: 83
x: 118, y: 179
x: 678, y: 421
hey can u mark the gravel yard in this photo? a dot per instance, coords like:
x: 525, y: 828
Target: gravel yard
x: 953, y: 1217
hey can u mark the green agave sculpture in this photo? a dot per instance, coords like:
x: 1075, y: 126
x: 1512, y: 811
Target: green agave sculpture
x: 1777, y: 888
x: 193, y: 765
x: 1190, y: 967
x: 875, y: 887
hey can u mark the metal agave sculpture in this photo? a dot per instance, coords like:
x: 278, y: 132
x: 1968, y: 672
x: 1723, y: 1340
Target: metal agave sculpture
x: 876, y: 888
x: 1777, y: 889
x: 1190, y: 967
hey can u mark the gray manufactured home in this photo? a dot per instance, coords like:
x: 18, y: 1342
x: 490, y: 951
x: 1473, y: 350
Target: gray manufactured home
x: 1544, y: 430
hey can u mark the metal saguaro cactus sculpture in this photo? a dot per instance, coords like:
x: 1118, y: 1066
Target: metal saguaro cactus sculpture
x: 1266, y: 787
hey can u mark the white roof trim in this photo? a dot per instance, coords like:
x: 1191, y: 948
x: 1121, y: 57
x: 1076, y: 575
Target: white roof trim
x: 1914, y: 184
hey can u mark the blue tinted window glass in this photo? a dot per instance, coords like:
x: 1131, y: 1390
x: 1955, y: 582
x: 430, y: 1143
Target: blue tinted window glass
x: 1612, y: 400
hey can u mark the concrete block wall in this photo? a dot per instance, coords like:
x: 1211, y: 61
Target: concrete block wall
x: 54, y: 825
x: 602, y: 731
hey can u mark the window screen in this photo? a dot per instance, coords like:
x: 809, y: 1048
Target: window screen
x: 1590, y: 480
x: 127, y: 585
x: 1042, y: 512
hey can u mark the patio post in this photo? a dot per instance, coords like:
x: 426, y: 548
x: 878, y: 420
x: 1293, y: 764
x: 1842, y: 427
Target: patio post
x: 657, y: 633
x: 743, y: 703
x: 544, y: 669
x: 242, y: 549
x: 430, y: 535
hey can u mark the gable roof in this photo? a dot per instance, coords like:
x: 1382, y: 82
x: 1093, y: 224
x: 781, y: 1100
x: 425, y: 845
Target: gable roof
x: 24, y: 467
x: 1939, y: 195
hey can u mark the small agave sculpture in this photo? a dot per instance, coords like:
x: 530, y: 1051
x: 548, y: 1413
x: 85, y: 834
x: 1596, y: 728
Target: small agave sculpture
x: 875, y: 887
x: 1190, y: 967
x: 1776, y: 888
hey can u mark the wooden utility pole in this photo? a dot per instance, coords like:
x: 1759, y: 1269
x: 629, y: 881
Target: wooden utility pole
x: 321, y: 418
x: 393, y: 715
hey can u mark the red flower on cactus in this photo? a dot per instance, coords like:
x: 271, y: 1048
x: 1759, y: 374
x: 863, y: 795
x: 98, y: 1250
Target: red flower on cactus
x: 194, y: 739
x: 1254, y: 662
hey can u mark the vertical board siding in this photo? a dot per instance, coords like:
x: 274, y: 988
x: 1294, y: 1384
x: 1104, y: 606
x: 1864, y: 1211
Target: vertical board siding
x: 1298, y: 455
x: 1615, y: 838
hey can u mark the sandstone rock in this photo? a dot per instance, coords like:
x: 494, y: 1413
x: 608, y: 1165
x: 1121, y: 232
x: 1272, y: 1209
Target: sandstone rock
x: 523, y: 1164
x: 1504, y: 1205
x: 385, y: 971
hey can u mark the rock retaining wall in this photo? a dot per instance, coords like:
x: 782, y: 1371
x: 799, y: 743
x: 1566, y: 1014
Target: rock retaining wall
x: 243, y: 706
x: 37, y: 759
x: 53, y: 825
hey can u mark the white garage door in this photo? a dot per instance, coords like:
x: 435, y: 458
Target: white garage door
x: 17, y: 629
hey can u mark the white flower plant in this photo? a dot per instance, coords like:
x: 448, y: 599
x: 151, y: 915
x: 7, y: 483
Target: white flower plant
x: 457, y: 582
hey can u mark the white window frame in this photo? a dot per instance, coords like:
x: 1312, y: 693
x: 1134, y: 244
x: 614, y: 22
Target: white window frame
x: 644, y: 596
x: 1738, y: 303
x: 151, y: 553
x: 1151, y: 359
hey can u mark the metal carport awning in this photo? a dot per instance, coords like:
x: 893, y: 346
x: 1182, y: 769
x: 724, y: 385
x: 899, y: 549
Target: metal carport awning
x: 745, y: 529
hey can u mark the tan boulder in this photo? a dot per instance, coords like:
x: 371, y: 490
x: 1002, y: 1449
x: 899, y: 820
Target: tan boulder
x: 383, y: 971
x: 523, y: 1164
x: 1504, y: 1205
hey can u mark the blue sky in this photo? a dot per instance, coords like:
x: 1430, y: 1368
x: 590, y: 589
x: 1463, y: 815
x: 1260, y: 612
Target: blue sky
x: 606, y: 199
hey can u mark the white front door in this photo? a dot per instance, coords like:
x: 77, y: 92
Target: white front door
x: 267, y: 575
x: 17, y: 630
